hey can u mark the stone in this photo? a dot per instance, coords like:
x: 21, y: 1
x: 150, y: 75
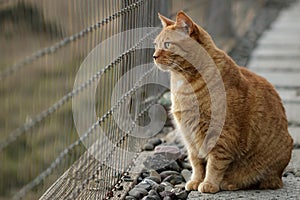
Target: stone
x: 167, y: 198
x: 144, y: 185
x: 173, y: 166
x: 154, y: 178
x: 170, y: 152
x: 180, y: 186
x: 174, y: 179
x: 155, y: 141
x: 139, y: 179
x: 148, y: 147
x: 182, y: 195
x: 149, y: 198
x: 130, y: 198
x: 160, y: 162
x: 145, y: 174
x: 168, y: 193
x: 138, y: 193
x: 176, y: 190
x: 127, y: 179
x: 165, y: 100
x: 169, y: 188
x: 156, y: 197
x: 166, y: 184
x: 150, y: 182
x: 186, y: 174
x: 167, y: 129
x: 159, y: 188
x: 153, y: 193
x: 164, y: 174
x: 186, y: 165
x: 172, y: 137
x: 154, y: 173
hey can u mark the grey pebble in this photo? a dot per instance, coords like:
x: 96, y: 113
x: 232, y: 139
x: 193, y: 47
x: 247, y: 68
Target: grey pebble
x: 153, y: 193
x: 182, y: 195
x: 174, y: 166
x: 174, y: 179
x: 138, y: 193
x: 186, y: 174
x: 168, y: 193
x: 145, y: 174
x: 168, y: 173
x: 165, y: 184
x: 150, y: 182
x: 186, y: 165
x: 127, y: 179
x: 169, y: 188
x: 160, y: 163
x: 139, y: 179
x: 170, y: 152
x: 148, y: 147
x: 167, y: 198
x: 143, y: 185
x: 155, y: 141
x: 159, y: 188
x: 167, y: 129
x: 153, y: 178
x: 176, y: 190
x: 149, y: 197
x: 155, y: 174
x: 130, y: 198
x: 181, y: 186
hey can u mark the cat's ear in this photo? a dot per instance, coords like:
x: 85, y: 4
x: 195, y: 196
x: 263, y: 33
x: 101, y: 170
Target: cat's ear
x: 165, y: 21
x: 184, y: 22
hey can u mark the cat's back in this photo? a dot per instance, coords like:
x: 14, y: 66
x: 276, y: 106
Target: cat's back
x: 262, y: 91
x: 265, y: 106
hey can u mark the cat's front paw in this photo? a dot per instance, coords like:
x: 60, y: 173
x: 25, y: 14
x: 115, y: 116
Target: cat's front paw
x: 192, y: 185
x: 206, y: 187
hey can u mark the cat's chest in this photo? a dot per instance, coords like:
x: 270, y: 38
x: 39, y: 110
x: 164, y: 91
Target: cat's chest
x: 177, y: 85
x: 182, y: 94
x: 184, y: 101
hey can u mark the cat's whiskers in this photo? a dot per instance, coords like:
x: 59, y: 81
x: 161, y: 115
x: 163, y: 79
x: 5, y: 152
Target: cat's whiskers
x: 181, y: 68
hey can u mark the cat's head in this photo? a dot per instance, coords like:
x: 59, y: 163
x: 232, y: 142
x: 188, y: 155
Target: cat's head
x: 179, y: 43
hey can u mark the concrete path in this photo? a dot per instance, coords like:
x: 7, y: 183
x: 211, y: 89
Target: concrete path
x: 277, y: 58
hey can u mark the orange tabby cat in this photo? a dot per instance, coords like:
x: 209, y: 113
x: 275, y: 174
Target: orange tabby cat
x: 253, y: 146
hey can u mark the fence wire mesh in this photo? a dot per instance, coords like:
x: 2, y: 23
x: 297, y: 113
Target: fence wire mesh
x: 45, y: 143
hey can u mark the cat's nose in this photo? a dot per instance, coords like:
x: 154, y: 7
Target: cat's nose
x: 155, y: 56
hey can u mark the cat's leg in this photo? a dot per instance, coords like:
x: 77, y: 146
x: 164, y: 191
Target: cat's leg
x: 215, y: 170
x: 198, y: 168
x: 239, y: 176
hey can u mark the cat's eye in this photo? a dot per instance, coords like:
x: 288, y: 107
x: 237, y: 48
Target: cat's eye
x: 167, y: 45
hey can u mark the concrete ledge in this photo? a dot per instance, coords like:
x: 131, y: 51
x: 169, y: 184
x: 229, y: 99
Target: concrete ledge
x: 291, y: 190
